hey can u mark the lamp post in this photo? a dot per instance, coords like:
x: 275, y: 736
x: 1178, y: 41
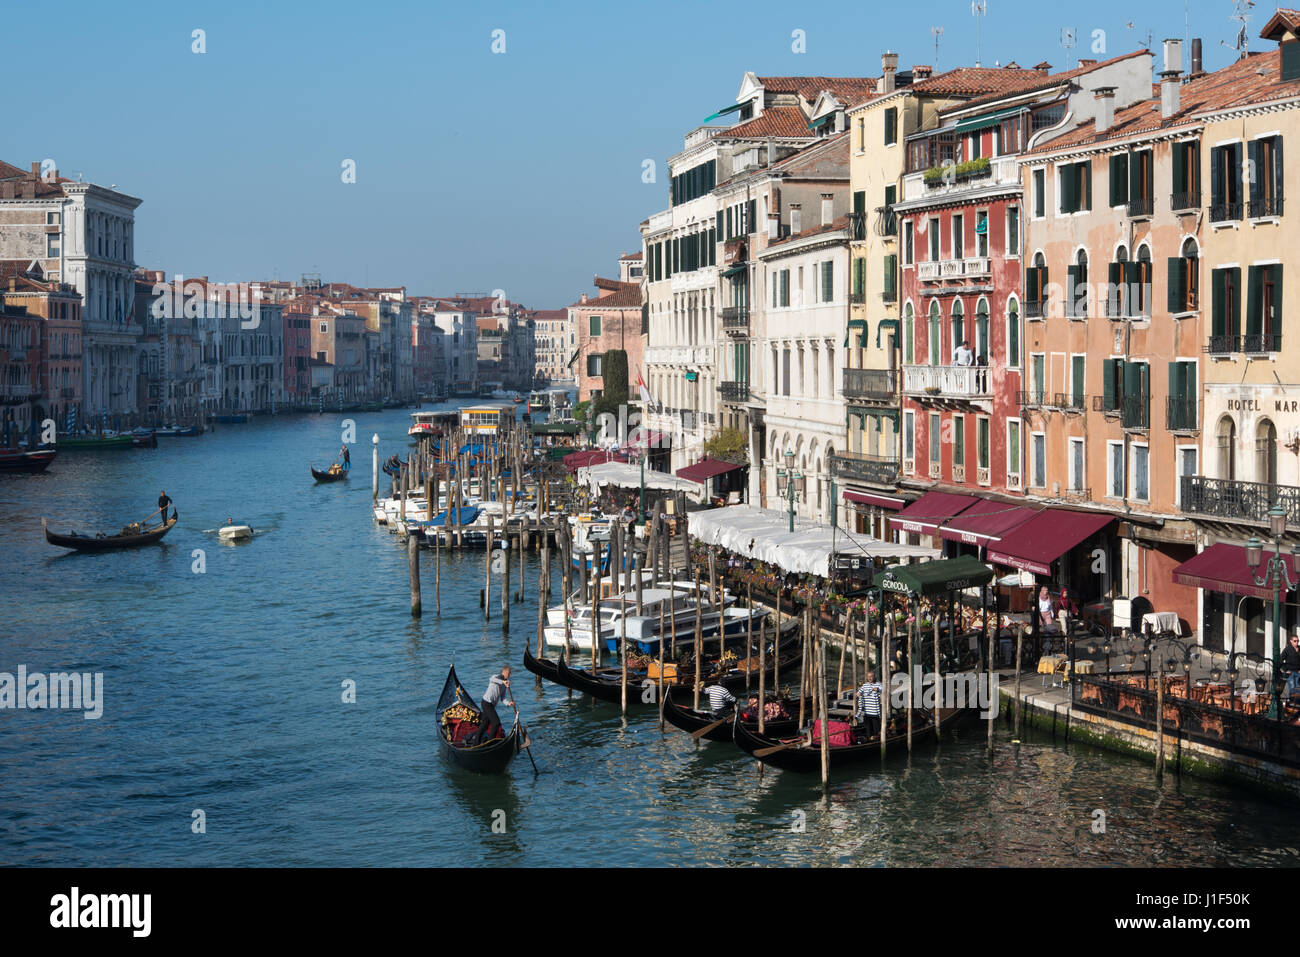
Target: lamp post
x: 788, y: 482
x: 1275, y: 573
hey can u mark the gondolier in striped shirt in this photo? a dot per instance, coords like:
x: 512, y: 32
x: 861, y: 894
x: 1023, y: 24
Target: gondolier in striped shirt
x: 498, y: 690
x: 719, y: 699
x: 868, y: 711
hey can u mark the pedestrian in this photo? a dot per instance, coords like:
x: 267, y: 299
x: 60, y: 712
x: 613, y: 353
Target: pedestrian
x: 868, y: 711
x: 497, y: 691
x: 1290, y: 665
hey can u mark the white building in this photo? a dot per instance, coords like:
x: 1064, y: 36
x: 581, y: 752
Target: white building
x: 460, y: 328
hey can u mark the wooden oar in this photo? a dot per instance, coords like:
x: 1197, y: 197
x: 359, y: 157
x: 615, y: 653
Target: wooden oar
x: 528, y: 747
x: 709, y: 727
x: 764, y: 752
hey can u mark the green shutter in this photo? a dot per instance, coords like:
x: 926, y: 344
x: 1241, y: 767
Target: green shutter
x: 1177, y: 284
x: 1256, y: 177
x: 1031, y: 284
x: 891, y: 272
x: 1254, y: 304
x: 1218, y: 324
x: 1118, y: 180
x: 1177, y: 394
x: 1071, y: 287
x: 860, y: 201
x: 1109, y: 377
x: 1013, y: 339
x: 1236, y: 301
x: 1134, y: 177
x: 1068, y: 191
x: 1277, y: 298
x: 1077, y: 380
x: 1180, y: 168
x: 1115, y: 283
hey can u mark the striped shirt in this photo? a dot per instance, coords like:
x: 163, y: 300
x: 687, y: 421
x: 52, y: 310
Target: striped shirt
x: 869, y: 699
x: 719, y: 697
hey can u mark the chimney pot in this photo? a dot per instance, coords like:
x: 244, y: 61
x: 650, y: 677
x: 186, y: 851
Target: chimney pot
x: 888, y: 71
x: 1196, y: 56
x: 36, y: 170
x: 1105, y: 97
x: 1174, y: 56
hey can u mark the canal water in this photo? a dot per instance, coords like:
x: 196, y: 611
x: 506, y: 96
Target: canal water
x: 224, y: 671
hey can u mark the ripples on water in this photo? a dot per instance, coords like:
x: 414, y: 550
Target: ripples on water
x: 223, y: 692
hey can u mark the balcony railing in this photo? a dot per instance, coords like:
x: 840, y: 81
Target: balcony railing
x: 1069, y: 401
x: 1033, y: 309
x: 1140, y: 207
x: 735, y: 318
x: 1182, y: 201
x: 1239, y: 501
x: 1223, y: 345
x: 857, y: 466
x: 734, y: 391
x: 1135, y: 411
x: 1224, y: 212
x: 857, y: 298
x: 1033, y: 398
x: 857, y: 227
x: 1270, y: 206
x: 1261, y: 344
x: 947, y: 382
x: 954, y: 269
x: 886, y: 221
x: 880, y: 385
x: 1181, y: 414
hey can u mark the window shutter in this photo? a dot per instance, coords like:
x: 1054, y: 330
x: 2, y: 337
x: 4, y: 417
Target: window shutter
x: 1256, y: 176
x: 785, y: 287
x: 1118, y: 175
x: 1085, y: 170
x: 1277, y: 293
x: 1235, y: 273
x: 1071, y: 285
x: 1217, y: 315
x: 1177, y: 284
x: 1180, y: 168
x: 891, y: 271
x: 1132, y: 387
x: 1109, y: 375
x: 1115, y: 284
x: 753, y: 216
x: 1254, y: 307
x: 1031, y: 284
x: 1277, y: 169
x: 828, y: 281
x: 860, y: 201
x: 1067, y: 189
x: 1290, y: 61
x: 1216, y: 176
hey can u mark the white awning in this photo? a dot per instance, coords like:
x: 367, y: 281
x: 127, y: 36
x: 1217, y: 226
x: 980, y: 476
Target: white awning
x: 622, y: 475
x: 764, y: 534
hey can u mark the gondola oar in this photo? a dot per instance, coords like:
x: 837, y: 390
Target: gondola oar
x: 764, y: 752
x: 528, y: 742
x: 709, y: 727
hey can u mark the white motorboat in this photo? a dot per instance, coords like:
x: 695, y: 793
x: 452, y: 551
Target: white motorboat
x: 235, y: 533
x: 679, y: 612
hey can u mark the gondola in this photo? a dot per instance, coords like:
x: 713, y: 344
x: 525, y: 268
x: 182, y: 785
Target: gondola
x: 457, y: 717
x: 128, y: 537
x: 327, y: 476
x: 607, y: 683
x: 19, y: 460
x: 808, y: 757
x: 679, y: 711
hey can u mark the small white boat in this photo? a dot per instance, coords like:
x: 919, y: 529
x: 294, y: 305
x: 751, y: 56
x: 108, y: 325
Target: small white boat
x: 235, y: 533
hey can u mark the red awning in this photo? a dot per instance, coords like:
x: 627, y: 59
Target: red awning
x: 1035, y: 544
x: 880, y: 501
x: 706, y: 469
x: 1223, y: 568
x: 930, y: 511
x: 580, y: 460
x: 986, y: 523
x: 651, y: 440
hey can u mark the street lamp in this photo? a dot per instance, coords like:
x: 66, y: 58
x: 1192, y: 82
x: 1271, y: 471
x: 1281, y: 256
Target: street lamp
x: 1275, y: 573
x: 789, y: 482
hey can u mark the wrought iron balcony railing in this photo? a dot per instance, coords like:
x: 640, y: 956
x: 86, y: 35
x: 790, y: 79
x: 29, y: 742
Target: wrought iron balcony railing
x: 1224, y: 212
x: 1181, y: 414
x: 1181, y: 201
x: 886, y: 221
x: 1033, y: 309
x: 1237, y: 501
x: 857, y: 227
x: 1269, y: 206
x: 735, y: 318
x: 1140, y: 207
x: 880, y: 385
x: 857, y: 466
x: 1135, y: 411
x: 1223, y: 345
x: 857, y: 298
x: 734, y: 391
x: 1260, y: 344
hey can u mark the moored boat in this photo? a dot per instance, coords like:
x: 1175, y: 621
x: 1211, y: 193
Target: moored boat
x: 782, y: 719
x: 131, y: 536
x: 458, y: 720
x: 144, y: 439
x: 22, y: 460
x: 105, y: 441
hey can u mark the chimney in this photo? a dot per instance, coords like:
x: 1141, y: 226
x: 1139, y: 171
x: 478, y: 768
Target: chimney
x: 1196, y: 56
x: 36, y: 171
x: 1105, y: 97
x: 1171, y: 84
x: 888, y: 71
x: 1087, y: 63
x: 1044, y: 68
x: 920, y: 73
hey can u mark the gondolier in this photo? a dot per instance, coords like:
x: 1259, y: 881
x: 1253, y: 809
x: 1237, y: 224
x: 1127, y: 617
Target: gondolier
x: 163, y: 504
x: 719, y: 698
x: 347, y: 456
x: 498, y: 690
x: 868, y: 711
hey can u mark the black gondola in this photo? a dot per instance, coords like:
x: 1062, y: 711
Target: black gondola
x: 328, y: 476
x: 130, y: 537
x: 607, y: 683
x: 679, y: 711
x: 457, y: 717
x: 808, y: 757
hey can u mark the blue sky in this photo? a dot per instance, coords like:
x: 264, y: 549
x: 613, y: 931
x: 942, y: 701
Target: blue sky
x: 474, y: 170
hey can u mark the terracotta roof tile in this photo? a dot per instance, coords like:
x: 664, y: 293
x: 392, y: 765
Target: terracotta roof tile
x: 841, y: 223
x: 788, y: 121
x: 618, y: 295
x: 1045, y: 81
x: 1282, y: 22
x: 844, y: 88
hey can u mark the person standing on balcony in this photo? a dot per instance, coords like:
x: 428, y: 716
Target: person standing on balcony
x: 962, y: 355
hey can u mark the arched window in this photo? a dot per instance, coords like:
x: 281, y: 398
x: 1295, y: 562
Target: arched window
x: 1227, y: 435
x: 908, y: 333
x: 1142, y: 283
x: 935, y: 320
x: 1077, y: 304
x: 1013, y: 333
x: 1184, y: 282
x: 958, y: 324
x: 1266, y: 453
x: 982, y: 332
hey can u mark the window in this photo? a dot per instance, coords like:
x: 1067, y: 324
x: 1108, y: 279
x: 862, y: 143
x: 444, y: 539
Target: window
x: 1225, y: 183
x: 1038, y: 443
x: 1076, y: 186
x: 1036, y: 288
x: 828, y: 281
x: 324, y: 328
x: 1119, y: 180
x: 1141, y: 473
x: 862, y: 134
x: 1183, y: 280
x: 1013, y: 334
x: 1141, y: 183
x: 859, y: 278
x: 935, y: 438
x: 1077, y: 381
x: 891, y: 126
x: 828, y: 209
x: 1011, y: 135
x: 1037, y: 379
x: 1186, y: 468
x: 958, y: 236
x: 1013, y: 449
x: 982, y: 233
x: 1013, y: 230
x: 1040, y: 193
x: 785, y: 372
x: 933, y: 332
x: 52, y: 245
x: 1076, y: 289
x: 1115, y: 474
x: 594, y: 322
x: 1187, y: 176
x: 796, y: 218
x: 1078, y: 477
x: 1225, y: 310
x: 909, y: 435
x: 1227, y: 436
x: 958, y: 326
x: 934, y: 240
x: 594, y: 363
x: 890, y: 291
x: 1263, y: 310
x: 1266, y: 179
x: 909, y: 250
x: 1182, y: 396
x: 959, y: 440
x: 982, y: 332
x: 982, y: 442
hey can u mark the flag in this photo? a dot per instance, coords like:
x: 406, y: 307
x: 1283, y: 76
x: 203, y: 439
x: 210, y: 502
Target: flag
x: 644, y: 392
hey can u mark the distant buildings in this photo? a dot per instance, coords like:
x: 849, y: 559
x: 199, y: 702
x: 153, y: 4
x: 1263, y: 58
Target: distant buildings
x: 611, y: 320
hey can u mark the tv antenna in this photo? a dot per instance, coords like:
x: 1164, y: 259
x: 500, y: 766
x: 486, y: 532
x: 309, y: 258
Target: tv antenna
x: 1133, y: 26
x: 1242, y: 43
x: 937, y: 33
x: 1067, y: 41
x: 978, y: 9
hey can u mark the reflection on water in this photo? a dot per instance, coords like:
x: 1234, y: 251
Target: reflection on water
x: 224, y: 691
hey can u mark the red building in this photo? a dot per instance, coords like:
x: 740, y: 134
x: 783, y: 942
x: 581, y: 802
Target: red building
x: 297, y: 347
x: 58, y: 306
x: 20, y: 371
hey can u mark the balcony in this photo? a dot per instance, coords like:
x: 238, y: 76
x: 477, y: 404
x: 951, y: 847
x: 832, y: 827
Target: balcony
x: 1135, y: 411
x: 878, y: 385
x: 735, y: 320
x: 1237, y: 501
x: 1033, y: 309
x: 886, y: 221
x: 953, y: 269
x: 1225, y: 212
x: 734, y: 391
x: 1185, y: 202
x: 1069, y: 401
x: 857, y: 298
x: 1141, y: 207
x: 860, y: 467
x: 1258, y: 345
x: 1223, y: 345
x: 1262, y: 208
x: 857, y: 227
x: 955, y: 383
x: 1180, y: 415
